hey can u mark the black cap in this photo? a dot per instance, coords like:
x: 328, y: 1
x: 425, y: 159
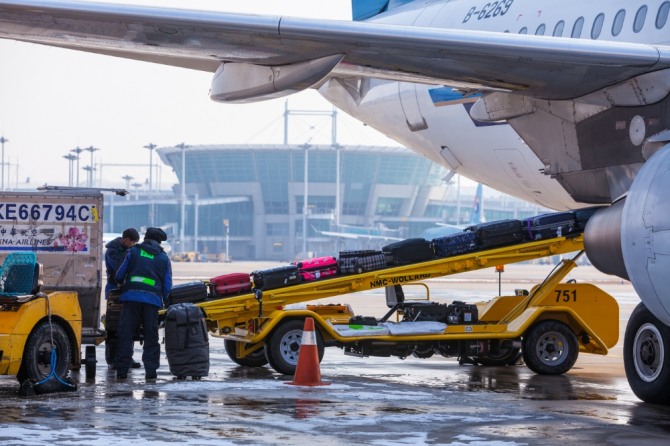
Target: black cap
x: 156, y: 234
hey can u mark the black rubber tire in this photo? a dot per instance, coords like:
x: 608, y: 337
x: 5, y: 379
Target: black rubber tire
x: 36, y: 363
x: 255, y: 359
x: 283, y: 346
x: 646, y: 356
x: 505, y: 356
x: 550, y: 348
x: 90, y: 361
x: 110, y: 348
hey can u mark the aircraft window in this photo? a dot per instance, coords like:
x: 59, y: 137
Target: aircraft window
x: 617, y: 25
x: 577, y: 28
x: 540, y: 30
x: 640, y: 16
x: 558, y: 30
x: 662, y: 17
x: 597, y: 26
x: 523, y: 30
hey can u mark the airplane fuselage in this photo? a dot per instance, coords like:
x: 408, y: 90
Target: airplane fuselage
x: 434, y: 120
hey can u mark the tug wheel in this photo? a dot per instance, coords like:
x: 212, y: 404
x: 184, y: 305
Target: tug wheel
x: 36, y: 364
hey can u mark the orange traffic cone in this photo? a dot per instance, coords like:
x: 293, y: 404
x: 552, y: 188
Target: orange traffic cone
x: 307, y: 372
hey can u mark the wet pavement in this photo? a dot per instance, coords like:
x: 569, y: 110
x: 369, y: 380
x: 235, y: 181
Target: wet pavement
x: 372, y: 401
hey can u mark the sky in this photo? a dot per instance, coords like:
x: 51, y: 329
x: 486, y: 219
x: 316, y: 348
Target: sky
x: 54, y: 100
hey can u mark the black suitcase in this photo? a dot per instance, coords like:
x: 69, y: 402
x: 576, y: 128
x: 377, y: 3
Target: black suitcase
x: 408, y: 251
x: 186, y: 341
x: 582, y: 216
x: 188, y: 292
x: 425, y: 311
x: 279, y: 276
x: 497, y: 233
x: 556, y: 224
x: 113, y: 311
x: 455, y: 244
x: 357, y: 262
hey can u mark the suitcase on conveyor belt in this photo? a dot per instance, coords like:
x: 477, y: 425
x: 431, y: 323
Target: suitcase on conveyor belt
x: 186, y: 341
x: 455, y: 244
x: 545, y: 226
x: 188, y: 292
x: 317, y: 268
x: 228, y: 284
x: 582, y: 216
x: 425, y: 311
x: 497, y: 233
x: 279, y: 276
x: 357, y: 262
x: 407, y: 251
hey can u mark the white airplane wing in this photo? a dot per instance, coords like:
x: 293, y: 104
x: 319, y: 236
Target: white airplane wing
x: 298, y: 52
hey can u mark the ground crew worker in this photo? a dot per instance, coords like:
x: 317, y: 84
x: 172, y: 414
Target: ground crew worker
x: 114, y: 254
x: 116, y: 251
x: 146, y: 275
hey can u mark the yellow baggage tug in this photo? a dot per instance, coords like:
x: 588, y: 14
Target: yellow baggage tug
x: 50, y: 283
x: 549, y: 324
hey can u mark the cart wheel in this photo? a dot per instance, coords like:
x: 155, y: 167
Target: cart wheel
x: 283, y: 346
x: 90, y: 361
x: 646, y: 356
x: 36, y: 364
x: 255, y: 359
x: 505, y: 356
x: 550, y: 348
x: 110, y: 348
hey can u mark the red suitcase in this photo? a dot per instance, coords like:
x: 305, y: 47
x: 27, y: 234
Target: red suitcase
x: 233, y: 283
x: 317, y: 268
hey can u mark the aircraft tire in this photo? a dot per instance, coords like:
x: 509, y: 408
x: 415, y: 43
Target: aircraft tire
x: 646, y: 356
x: 255, y: 359
x: 550, y: 348
x: 283, y: 346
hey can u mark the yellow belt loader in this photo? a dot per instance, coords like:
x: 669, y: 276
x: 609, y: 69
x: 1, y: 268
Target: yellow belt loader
x: 550, y: 324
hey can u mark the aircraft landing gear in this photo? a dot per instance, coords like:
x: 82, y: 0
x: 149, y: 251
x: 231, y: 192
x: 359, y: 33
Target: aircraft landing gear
x: 647, y: 356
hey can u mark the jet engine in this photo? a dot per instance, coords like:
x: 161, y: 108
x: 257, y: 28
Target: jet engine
x: 631, y: 238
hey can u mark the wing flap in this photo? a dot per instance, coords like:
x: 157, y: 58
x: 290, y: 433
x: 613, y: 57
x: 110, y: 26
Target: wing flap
x: 544, y: 67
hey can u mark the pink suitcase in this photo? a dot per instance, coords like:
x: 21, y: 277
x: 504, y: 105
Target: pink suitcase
x: 233, y: 283
x: 317, y: 268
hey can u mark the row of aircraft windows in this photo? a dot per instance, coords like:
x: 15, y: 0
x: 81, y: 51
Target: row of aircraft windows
x: 617, y: 24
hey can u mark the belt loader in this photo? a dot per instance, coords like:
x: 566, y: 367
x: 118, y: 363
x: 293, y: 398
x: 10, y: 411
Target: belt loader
x: 550, y: 324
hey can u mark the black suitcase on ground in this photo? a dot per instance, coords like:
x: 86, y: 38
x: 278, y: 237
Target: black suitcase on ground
x: 113, y: 311
x: 455, y: 244
x: 407, y: 251
x: 425, y: 311
x: 556, y: 224
x: 267, y: 279
x: 357, y: 262
x: 186, y: 341
x: 497, y: 233
x: 188, y: 292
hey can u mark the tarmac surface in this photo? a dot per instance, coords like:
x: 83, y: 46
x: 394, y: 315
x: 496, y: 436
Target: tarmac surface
x: 372, y: 401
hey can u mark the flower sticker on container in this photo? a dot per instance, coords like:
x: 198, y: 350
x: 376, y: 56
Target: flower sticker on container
x: 73, y: 241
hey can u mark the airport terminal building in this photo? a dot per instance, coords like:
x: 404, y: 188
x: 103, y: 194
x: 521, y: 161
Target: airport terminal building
x: 247, y: 201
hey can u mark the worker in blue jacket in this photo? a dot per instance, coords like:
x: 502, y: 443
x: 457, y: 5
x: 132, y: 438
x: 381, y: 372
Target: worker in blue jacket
x: 146, y: 275
x: 115, y: 251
